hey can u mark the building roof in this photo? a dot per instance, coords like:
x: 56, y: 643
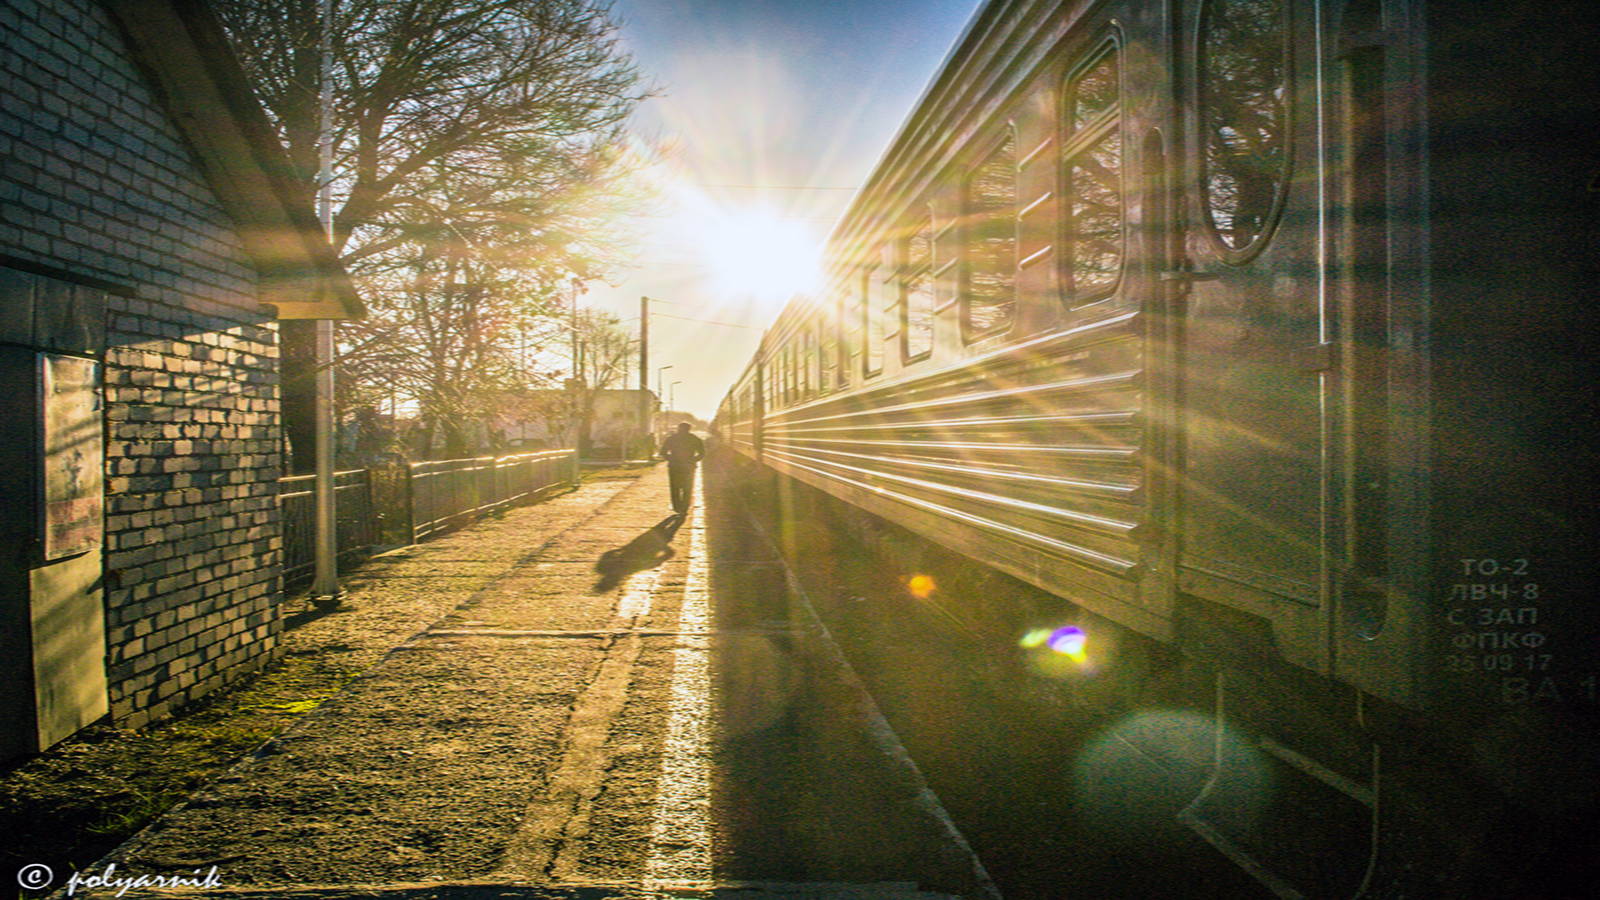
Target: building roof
x: 191, y: 64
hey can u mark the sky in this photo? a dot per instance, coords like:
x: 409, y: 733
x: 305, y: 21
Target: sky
x: 771, y: 113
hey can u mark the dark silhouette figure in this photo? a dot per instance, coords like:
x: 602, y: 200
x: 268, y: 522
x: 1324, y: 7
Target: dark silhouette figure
x: 682, y: 451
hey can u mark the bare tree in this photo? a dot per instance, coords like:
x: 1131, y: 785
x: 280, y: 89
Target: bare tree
x: 480, y: 163
x: 421, y: 86
x: 465, y: 309
x: 607, y: 353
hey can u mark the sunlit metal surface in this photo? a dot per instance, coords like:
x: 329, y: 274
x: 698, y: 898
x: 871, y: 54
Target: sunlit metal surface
x: 1029, y: 454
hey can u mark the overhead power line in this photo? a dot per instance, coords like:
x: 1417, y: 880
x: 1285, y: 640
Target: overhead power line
x: 772, y: 187
x: 706, y: 321
x: 679, y: 303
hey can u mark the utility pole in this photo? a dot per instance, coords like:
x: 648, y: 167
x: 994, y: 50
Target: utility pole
x: 646, y: 437
x: 325, y: 582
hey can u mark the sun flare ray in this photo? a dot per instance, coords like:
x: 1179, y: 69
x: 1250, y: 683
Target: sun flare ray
x: 758, y: 255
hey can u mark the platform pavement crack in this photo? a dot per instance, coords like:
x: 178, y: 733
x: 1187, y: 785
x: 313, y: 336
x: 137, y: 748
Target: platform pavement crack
x: 556, y: 822
x: 551, y: 839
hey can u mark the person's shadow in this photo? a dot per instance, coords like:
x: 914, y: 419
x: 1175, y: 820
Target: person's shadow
x: 646, y: 551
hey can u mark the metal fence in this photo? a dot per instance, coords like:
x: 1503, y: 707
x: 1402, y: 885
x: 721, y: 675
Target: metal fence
x: 411, y: 502
x: 357, y: 521
x: 447, y: 494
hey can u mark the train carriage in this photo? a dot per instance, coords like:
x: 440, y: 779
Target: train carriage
x: 1257, y: 324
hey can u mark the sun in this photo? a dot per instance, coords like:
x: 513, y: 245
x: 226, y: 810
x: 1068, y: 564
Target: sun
x: 759, y: 255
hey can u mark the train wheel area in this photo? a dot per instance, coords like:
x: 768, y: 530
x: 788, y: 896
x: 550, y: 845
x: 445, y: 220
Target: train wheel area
x: 1080, y: 759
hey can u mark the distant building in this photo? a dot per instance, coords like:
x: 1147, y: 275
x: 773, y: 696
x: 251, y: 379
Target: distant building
x: 151, y: 244
x: 615, y: 428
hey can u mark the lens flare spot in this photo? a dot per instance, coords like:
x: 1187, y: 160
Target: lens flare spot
x: 1062, y: 653
x: 1124, y: 794
x: 921, y: 586
x: 1035, y: 639
x: 1069, y: 640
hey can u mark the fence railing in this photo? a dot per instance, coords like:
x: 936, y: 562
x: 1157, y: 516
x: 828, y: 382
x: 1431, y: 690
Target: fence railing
x: 447, y: 494
x: 411, y: 502
x: 357, y: 525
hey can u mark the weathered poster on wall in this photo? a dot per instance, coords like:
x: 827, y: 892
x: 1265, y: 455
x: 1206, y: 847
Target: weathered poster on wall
x: 72, y: 455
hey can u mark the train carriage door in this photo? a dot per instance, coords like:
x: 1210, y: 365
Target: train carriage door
x: 1254, y: 346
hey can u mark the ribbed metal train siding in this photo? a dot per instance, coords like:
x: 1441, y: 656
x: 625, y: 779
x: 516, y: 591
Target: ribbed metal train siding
x: 1028, y: 458
x: 736, y: 418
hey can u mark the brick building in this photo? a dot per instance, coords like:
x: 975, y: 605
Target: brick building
x: 151, y: 243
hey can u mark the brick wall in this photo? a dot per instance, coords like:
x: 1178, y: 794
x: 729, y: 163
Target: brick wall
x: 95, y: 182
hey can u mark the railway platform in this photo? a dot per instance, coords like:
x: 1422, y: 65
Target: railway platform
x: 618, y: 703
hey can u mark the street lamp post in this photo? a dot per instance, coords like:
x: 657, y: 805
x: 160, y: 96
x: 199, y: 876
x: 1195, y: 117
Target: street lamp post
x: 660, y: 392
x: 575, y: 421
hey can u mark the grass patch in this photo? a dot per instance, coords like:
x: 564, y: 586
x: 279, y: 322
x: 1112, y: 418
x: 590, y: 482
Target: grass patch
x: 68, y: 807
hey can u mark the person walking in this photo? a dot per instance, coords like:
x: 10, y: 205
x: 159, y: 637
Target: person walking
x: 682, y: 451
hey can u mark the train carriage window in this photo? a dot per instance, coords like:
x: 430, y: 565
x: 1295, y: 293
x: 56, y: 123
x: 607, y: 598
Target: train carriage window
x: 917, y: 289
x: 1244, y: 114
x: 796, y: 388
x: 819, y: 359
x: 765, y: 381
x: 828, y: 354
x: 1095, y: 91
x: 789, y: 393
x: 808, y: 363
x: 851, y: 315
x: 802, y: 385
x: 777, y: 385
x: 879, y: 308
x: 783, y: 378
x: 1093, y: 180
x: 797, y: 369
x: 990, y: 277
x: 775, y: 382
